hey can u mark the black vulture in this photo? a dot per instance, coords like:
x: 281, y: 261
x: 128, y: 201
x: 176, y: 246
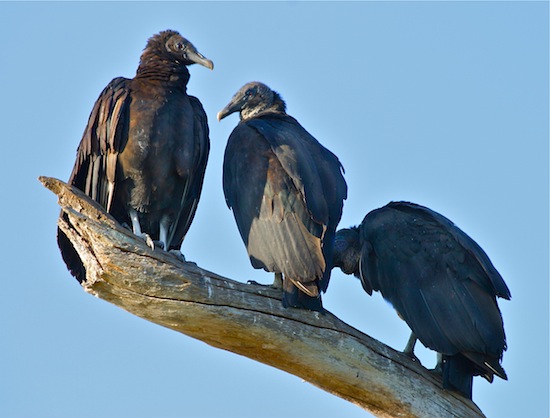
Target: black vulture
x: 144, y: 150
x: 439, y: 281
x: 286, y: 191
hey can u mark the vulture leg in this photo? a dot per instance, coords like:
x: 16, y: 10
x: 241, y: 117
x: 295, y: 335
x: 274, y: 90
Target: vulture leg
x: 164, y: 230
x: 136, y: 227
x: 409, y: 348
x: 164, y: 227
x: 439, y: 366
x: 278, y: 281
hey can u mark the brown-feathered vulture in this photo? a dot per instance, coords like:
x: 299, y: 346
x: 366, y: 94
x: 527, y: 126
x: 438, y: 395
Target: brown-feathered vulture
x: 144, y: 150
x: 440, y: 282
x: 286, y: 191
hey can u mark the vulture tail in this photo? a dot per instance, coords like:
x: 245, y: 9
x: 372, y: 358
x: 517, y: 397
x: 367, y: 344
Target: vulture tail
x: 458, y: 374
x: 294, y: 298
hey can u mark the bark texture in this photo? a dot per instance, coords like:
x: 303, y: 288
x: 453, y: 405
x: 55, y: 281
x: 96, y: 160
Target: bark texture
x: 248, y: 319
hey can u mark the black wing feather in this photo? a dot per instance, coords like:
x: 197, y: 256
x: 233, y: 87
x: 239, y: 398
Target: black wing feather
x: 194, y: 175
x: 311, y: 166
x: 104, y: 137
x: 441, y: 284
x: 271, y: 215
x: 281, y: 183
x: 95, y: 168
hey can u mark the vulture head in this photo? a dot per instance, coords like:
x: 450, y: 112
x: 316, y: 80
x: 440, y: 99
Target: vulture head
x: 347, y: 250
x: 170, y: 46
x: 253, y: 99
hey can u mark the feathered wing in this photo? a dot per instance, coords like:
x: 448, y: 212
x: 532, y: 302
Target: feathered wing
x: 315, y: 172
x: 95, y: 168
x: 277, y: 186
x: 193, y: 171
x: 440, y: 288
x: 104, y: 137
x: 270, y: 212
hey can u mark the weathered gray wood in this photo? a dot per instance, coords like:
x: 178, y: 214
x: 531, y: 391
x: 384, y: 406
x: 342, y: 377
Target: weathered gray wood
x: 248, y: 319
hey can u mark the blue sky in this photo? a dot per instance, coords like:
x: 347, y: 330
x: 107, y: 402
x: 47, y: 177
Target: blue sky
x: 441, y: 103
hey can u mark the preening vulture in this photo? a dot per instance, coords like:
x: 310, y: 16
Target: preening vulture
x: 144, y: 150
x: 440, y: 282
x: 286, y: 191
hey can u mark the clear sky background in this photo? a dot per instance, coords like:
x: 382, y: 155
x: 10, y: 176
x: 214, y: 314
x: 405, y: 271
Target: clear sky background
x: 441, y: 103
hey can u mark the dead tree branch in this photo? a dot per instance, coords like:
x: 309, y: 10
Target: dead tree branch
x: 247, y: 319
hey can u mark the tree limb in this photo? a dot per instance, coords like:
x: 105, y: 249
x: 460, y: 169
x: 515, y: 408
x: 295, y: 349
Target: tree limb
x: 247, y: 319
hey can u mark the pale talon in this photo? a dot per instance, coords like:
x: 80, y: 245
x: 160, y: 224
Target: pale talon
x: 149, y: 241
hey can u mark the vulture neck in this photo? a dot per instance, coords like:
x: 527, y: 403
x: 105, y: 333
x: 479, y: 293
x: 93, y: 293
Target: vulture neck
x: 156, y: 69
x: 277, y: 105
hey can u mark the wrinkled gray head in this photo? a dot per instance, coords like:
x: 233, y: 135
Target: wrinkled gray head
x: 347, y: 250
x: 253, y: 99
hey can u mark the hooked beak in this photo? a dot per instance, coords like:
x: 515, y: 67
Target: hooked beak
x: 235, y: 105
x: 196, y: 57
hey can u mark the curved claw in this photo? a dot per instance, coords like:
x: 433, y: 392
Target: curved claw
x: 149, y: 241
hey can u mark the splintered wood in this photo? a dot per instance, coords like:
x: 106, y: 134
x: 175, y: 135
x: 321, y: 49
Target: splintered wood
x: 248, y: 319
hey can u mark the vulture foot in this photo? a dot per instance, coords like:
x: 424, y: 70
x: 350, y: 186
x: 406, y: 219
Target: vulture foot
x: 277, y: 283
x: 178, y: 255
x: 148, y: 240
x: 413, y: 357
x: 438, y: 369
x: 409, y: 349
x: 255, y: 283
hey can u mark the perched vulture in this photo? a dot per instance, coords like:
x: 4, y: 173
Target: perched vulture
x: 286, y: 191
x: 439, y: 281
x: 144, y: 151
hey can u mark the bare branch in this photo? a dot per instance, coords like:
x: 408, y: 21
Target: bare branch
x: 247, y: 319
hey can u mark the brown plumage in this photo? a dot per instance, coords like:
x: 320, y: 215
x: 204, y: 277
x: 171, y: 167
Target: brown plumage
x: 144, y: 150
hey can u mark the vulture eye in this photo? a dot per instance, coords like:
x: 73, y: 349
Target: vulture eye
x: 180, y: 46
x: 248, y: 93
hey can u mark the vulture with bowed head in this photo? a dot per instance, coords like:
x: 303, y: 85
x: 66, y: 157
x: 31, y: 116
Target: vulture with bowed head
x: 439, y: 281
